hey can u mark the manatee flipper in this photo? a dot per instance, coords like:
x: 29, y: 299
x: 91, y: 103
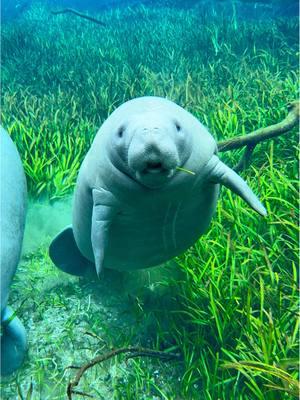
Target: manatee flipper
x: 104, y: 209
x: 227, y: 177
x: 65, y: 254
x: 13, y: 342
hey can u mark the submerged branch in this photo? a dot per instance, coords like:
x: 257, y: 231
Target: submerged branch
x: 70, y: 10
x: 245, y: 159
x: 133, y: 352
x: 253, y: 138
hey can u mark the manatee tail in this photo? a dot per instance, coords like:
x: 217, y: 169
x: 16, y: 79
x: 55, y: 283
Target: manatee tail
x: 65, y: 254
x: 227, y: 177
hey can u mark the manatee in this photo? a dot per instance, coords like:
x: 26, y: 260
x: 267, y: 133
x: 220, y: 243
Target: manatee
x: 12, y: 222
x: 133, y: 207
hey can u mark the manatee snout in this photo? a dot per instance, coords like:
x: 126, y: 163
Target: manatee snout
x: 153, y: 156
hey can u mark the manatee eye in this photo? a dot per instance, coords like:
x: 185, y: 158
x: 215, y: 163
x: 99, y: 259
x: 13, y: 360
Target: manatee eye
x: 177, y: 126
x: 121, y: 132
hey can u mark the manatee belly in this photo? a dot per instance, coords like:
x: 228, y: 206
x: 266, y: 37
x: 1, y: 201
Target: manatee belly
x: 144, y: 244
x: 142, y: 237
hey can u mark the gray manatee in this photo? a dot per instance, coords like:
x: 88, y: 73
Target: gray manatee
x: 12, y: 222
x: 133, y: 207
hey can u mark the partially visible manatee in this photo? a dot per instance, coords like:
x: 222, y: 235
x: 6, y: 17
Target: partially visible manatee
x: 133, y: 207
x: 12, y: 221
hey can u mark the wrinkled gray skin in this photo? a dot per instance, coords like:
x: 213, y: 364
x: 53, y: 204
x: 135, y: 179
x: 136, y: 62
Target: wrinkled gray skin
x: 132, y: 207
x: 12, y: 220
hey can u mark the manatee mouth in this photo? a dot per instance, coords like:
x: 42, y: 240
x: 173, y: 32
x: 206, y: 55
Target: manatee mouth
x: 154, y: 174
x: 155, y: 168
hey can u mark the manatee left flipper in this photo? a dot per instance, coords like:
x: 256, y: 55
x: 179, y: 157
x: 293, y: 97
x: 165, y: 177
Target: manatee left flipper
x: 104, y: 209
x: 65, y: 254
x: 226, y: 176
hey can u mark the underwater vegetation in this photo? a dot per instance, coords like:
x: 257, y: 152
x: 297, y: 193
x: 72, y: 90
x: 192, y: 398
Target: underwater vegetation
x: 230, y: 305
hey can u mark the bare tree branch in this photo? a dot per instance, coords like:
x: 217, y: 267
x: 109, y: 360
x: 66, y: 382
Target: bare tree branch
x: 245, y: 159
x: 252, y: 139
x: 70, y: 10
x: 133, y: 351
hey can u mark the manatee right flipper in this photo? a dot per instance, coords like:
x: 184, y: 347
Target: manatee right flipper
x: 65, y: 254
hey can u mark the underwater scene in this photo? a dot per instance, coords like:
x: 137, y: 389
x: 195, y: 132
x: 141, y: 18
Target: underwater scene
x: 149, y: 199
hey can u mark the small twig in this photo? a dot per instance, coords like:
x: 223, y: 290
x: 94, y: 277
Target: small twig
x: 252, y: 139
x: 93, y: 335
x: 70, y: 10
x: 135, y: 351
